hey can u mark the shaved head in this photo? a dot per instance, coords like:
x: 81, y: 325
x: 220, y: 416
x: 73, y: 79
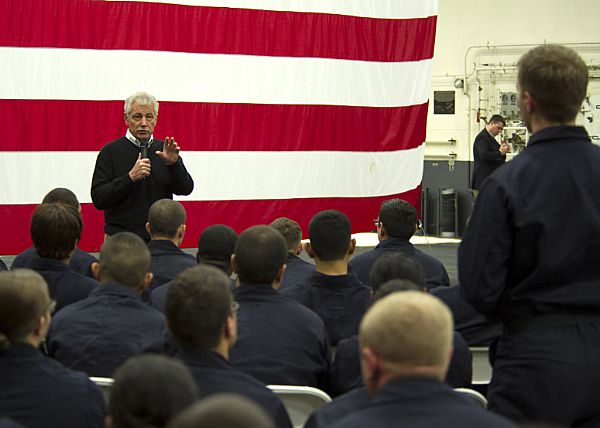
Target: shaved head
x: 407, y: 330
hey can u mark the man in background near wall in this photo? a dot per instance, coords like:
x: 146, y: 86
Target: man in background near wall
x: 137, y: 170
x: 487, y: 153
x: 81, y: 262
x: 529, y: 256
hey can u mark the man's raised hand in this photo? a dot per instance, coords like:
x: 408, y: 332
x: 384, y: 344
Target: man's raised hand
x: 170, y: 151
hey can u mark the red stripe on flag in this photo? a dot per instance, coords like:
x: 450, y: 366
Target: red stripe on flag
x: 166, y: 27
x: 50, y: 125
x: 201, y: 214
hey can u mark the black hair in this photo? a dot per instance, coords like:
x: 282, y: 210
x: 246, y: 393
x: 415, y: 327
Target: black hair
x: 197, y: 305
x: 396, y: 265
x: 124, y: 258
x: 260, y: 252
x: 164, y: 217
x: 330, y: 234
x: 290, y: 230
x: 216, y: 245
x: 60, y: 195
x: 55, y: 230
x: 398, y: 218
x: 216, y: 412
x: 393, y: 286
x: 149, y: 390
x: 496, y: 118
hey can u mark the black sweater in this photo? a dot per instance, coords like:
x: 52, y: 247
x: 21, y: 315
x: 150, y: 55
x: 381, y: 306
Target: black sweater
x: 126, y: 203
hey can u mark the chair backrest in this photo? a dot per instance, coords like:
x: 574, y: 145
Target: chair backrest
x: 300, y: 401
x: 473, y: 395
x: 482, y: 370
x: 105, y: 384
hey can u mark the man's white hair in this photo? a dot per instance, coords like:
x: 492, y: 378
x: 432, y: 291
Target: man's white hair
x: 141, y: 98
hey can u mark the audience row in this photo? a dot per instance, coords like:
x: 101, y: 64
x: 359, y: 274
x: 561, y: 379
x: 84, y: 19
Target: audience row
x: 245, y: 313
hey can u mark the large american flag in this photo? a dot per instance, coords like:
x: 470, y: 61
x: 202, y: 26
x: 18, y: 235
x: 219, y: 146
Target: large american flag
x: 282, y: 108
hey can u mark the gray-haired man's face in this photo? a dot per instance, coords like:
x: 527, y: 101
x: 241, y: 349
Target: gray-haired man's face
x: 141, y: 121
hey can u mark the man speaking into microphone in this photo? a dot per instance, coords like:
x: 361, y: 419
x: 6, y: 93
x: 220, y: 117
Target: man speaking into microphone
x: 136, y: 170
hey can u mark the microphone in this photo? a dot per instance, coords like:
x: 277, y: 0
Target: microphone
x: 144, y: 149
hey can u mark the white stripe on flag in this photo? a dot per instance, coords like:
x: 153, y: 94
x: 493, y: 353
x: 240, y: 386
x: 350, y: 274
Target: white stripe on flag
x: 395, y: 9
x: 82, y: 74
x: 224, y: 176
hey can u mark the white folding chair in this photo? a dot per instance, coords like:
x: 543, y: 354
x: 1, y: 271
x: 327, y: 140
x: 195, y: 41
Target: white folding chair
x: 105, y: 384
x: 300, y: 401
x: 473, y: 395
x: 482, y: 370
